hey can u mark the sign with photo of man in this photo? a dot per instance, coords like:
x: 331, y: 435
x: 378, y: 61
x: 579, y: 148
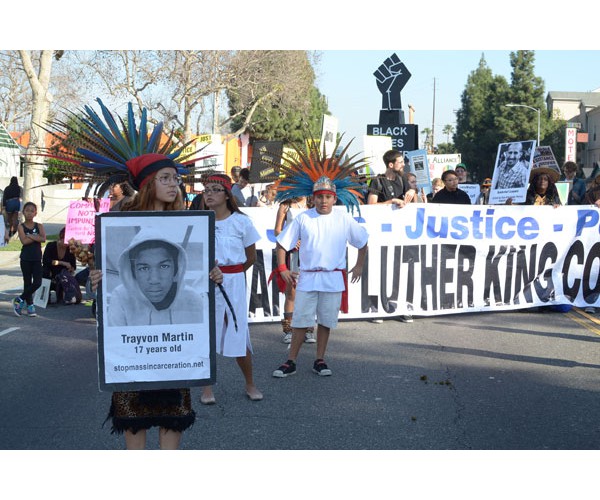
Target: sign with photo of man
x: 418, y: 165
x: 511, y: 173
x: 155, y: 301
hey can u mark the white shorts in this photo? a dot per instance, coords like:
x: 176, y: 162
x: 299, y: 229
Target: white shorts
x: 325, y: 306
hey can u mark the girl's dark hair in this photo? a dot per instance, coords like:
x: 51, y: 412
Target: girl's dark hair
x: 446, y: 173
x: 126, y: 188
x: 14, y: 181
x: 29, y: 203
x: 231, y: 201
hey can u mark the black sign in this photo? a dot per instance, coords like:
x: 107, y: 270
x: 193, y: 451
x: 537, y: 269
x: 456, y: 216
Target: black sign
x: 266, y: 158
x: 404, y: 136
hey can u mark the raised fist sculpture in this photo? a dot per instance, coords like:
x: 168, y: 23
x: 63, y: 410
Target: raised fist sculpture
x: 391, y: 77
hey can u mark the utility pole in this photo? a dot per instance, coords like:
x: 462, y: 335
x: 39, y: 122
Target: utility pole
x: 433, y: 121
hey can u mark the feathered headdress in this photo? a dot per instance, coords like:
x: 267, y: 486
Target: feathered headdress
x: 100, y: 152
x: 309, y: 170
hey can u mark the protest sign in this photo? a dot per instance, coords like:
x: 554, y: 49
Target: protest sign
x: 472, y: 190
x: 544, y: 157
x: 418, y: 165
x: 511, y: 173
x: 80, y: 219
x: 439, y: 163
x: 563, y: 188
x: 156, y: 325
x: 266, y: 157
x: 374, y: 148
x: 329, y: 132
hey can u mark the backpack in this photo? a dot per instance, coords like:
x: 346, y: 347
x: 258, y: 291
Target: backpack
x: 71, y: 291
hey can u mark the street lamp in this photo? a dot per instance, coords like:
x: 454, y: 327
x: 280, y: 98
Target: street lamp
x: 529, y: 107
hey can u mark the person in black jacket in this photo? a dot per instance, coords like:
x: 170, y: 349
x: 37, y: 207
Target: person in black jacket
x: 451, y: 193
x: 57, y: 256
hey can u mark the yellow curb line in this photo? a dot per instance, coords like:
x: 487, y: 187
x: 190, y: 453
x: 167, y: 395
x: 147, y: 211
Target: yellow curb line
x: 583, y: 322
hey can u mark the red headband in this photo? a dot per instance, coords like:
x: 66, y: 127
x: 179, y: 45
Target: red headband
x: 328, y: 191
x: 219, y: 180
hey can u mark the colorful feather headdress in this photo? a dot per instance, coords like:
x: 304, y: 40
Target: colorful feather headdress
x: 309, y: 169
x: 99, y: 151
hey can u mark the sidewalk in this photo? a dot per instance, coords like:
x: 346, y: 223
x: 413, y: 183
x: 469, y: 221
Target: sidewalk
x: 11, y: 280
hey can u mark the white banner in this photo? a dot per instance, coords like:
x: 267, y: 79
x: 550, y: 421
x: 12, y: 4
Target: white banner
x: 329, y: 134
x: 431, y: 259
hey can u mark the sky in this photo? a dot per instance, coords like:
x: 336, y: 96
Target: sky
x: 346, y: 78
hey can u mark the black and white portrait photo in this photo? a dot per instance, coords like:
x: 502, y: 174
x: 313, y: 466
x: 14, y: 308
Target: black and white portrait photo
x: 511, y: 172
x: 513, y: 164
x: 155, y: 297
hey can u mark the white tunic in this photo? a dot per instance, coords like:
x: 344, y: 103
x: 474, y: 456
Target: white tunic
x: 323, y: 248
x: 232, y: 236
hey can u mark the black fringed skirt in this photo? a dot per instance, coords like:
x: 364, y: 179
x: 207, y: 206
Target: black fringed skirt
x: 168, y: 408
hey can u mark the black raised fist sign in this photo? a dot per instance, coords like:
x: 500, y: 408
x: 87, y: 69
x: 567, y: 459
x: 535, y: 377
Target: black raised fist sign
x: 391, y: 77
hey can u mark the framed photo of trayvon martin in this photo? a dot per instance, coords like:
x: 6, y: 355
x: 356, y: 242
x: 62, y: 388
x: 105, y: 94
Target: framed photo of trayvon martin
x: 511, y: 173
x: 155, y: 302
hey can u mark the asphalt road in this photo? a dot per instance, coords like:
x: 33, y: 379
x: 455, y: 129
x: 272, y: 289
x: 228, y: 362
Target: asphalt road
x: 486, y: 381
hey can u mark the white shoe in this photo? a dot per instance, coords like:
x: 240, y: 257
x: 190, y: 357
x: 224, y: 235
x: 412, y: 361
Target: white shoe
x: 590, y: 310
x: 287, y: 338
x: 309, y: 338
x: 406, y: 319
x: 376, y: 321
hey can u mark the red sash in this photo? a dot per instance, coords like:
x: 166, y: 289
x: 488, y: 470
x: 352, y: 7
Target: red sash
x: 236, y: 268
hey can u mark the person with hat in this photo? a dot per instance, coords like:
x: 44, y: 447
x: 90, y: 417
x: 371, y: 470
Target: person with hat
x: 461, y: 172
x: 325, y: 233
x: 484, y: 194
x: 542, y: 187
x: 156, y: 177
x: 512, y: 171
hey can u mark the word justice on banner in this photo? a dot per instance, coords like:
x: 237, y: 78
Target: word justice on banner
x: 429, y: 259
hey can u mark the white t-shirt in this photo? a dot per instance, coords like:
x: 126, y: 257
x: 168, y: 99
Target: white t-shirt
x: 233, y: 235
x: 323, y: 247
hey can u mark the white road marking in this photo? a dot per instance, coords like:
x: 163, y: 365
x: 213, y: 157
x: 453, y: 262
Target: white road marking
x: 8, y: 330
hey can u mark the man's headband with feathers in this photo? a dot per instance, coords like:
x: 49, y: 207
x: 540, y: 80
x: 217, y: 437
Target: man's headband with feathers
x: 305, y: 168
x: 99, y: 151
